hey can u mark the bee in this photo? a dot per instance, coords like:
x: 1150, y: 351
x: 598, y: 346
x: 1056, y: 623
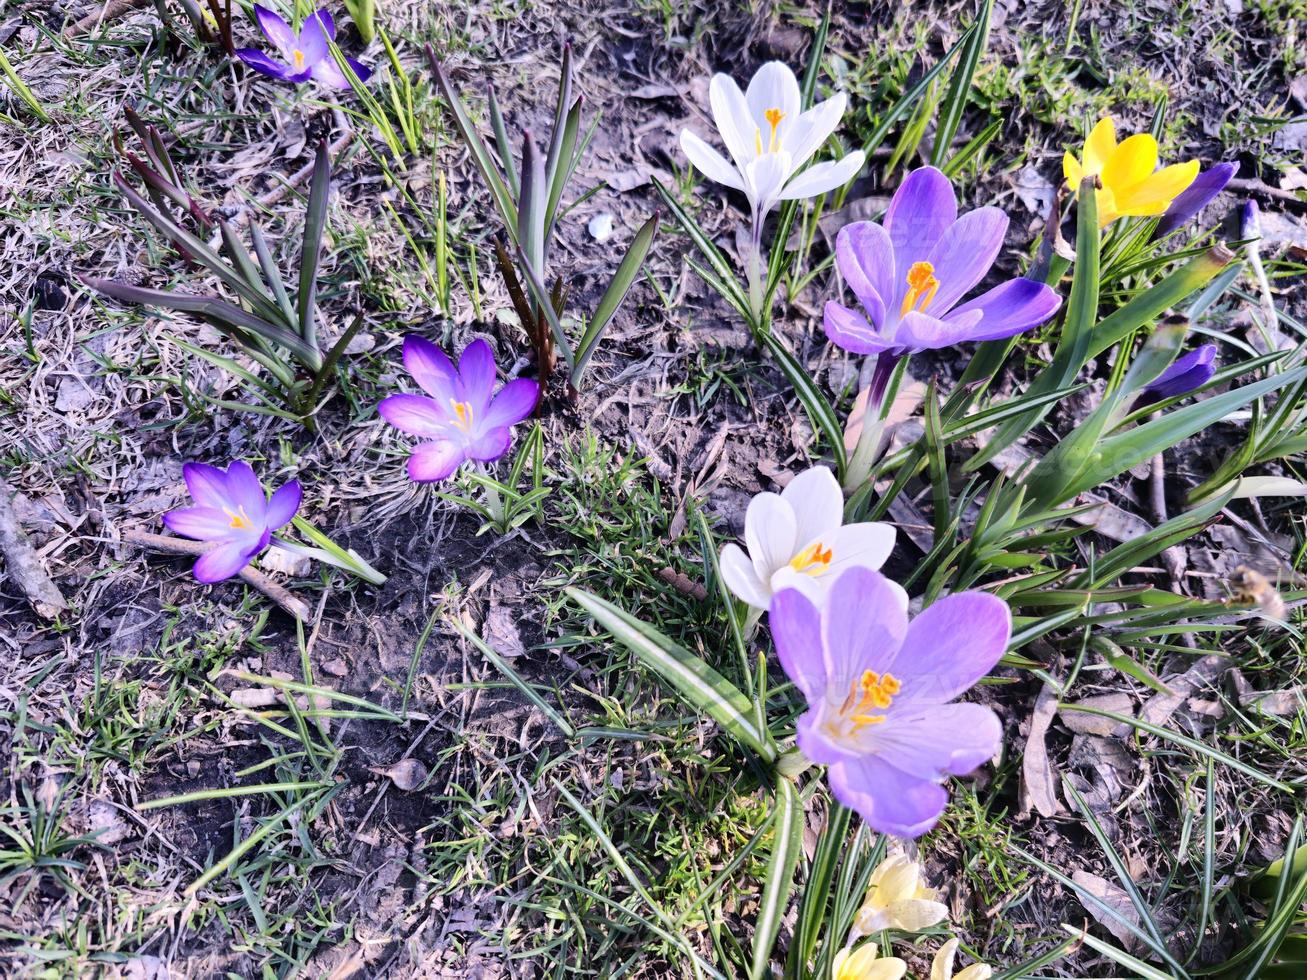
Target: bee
x: 1253, y: 588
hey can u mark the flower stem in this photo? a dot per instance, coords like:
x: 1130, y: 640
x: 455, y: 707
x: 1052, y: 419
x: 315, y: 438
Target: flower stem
x: 753, y: 273
x: 873, y: 425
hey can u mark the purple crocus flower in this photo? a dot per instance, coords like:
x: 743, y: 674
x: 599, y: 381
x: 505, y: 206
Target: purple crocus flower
x: 461, y: 420
x: 1195, y: 197
x: 1187, y: 372
x: 878, y: 692
x: 910, y: 272
x: 304, y: 54
x: 233, y: 509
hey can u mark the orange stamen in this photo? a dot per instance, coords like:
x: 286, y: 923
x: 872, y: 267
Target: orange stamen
x: 922, y: 285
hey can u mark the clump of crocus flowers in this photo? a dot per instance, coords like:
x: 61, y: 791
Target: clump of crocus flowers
x: 880, y: 691
x: 1131, y: 183
x: 304, y: 54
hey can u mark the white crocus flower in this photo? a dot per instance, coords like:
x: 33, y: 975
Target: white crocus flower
x: 898, y: 898
x: 796, y: 539
x: 770, y: 140
x: 942, y: 967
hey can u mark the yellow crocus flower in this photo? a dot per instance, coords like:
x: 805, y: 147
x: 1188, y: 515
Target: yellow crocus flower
x: 864, y: 964
x: 942, y: 967
x: 898, y: 898
x: 1132, y: 184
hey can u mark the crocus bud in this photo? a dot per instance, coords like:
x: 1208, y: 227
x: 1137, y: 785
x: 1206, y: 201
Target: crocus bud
x: 1192, y: 370
x: 1195, y: 197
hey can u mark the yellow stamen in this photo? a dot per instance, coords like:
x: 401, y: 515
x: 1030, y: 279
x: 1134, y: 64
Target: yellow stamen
x: 298, y: 58
x: 773, y: 117
x: 871, y: 690
x: 464, y: 412
x: 922, y: 285
x: 240, y: 521
x: 812, y: 561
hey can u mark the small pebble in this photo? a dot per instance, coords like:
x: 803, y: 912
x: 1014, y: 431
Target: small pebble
x: 601, y: 227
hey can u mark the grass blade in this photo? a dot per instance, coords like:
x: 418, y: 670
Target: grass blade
x: 701, y: 686
x: 623, y: 279
x: 819, y: 409
x: 959, y: 86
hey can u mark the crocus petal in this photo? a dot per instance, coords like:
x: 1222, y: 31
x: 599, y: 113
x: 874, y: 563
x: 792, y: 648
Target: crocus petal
x: 514, y: 402
x: 889, y: 800
x: 769, y: 533
x: 1072, y: 170
x: 246, y: 492
x: 939, y: 739
x: 1195, y: 197
x: 276, y: 30
x: 434, y: 461
x: 921, y: 210
x: 741, y: 579
x: 1132, y: 160
x: 865, y: 257
x: 763, y: 179
x: 814, y: 127
x: 823, y: 177
x: 476, y: 371
x: 920, y: 331
x: 490, y: 444
x: 941, y: 968
x: 951, y: 645
x: 851, y: 331
x: 915, y: 914
x: 360, y: 69
x: 1100, y: 145
x: 1190, y: 371
x: 316, y: 34
x: 817, y: 502
x: 222, y: 562
x: 796, y: 630
x: 416, y: 414
x: 431, y: 369
x: 264, y: 65
x: 323, y: 15
x: 1155, y: 194
x: 207, y: 484
x: 731, y: 116
x: 283, y: 504
x: 863, y: 964
x: 1009, y: 308
x: 867, y: 630
x: 963, y: 255
x: 709, y: 162
x: 328, y: 73
x: 773, y: 86
x: 201, y: 523
x: 865, y: 545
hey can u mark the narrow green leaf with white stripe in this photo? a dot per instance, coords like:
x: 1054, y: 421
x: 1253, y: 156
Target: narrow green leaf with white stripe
x: 787, y: 845
x: 697, y: 683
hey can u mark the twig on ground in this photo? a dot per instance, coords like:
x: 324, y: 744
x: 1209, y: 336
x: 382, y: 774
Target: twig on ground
x: 111, y: 11
x: 255, y: 579
x: 1252, y: 185
x: 23, y: 565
